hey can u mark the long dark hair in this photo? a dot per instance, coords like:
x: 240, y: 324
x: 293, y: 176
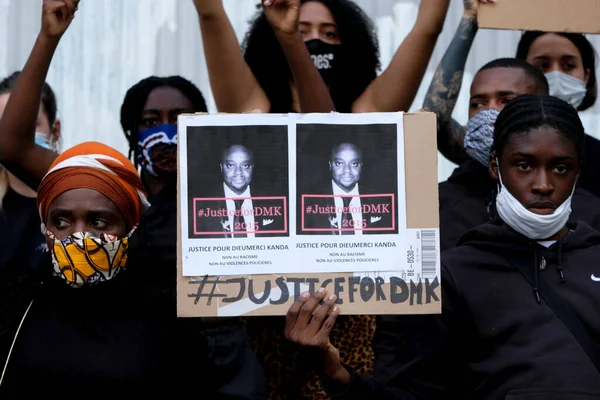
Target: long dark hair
x: 358, y: 57
x: 588, y: 58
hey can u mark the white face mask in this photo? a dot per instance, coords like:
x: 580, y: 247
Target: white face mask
x: 566, y: 87
x: 527, y: 223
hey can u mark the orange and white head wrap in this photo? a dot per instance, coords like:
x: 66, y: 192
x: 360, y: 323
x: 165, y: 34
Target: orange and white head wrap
x: 93, y: 165
x: 84, y: 258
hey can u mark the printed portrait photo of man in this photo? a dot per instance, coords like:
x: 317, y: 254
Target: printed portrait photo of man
x: 234, y: 202
x: 236, y: 166
x: 346, y: 205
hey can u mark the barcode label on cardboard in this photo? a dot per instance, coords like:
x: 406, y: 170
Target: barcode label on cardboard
x: 429, y: 251
x: 421, y: 258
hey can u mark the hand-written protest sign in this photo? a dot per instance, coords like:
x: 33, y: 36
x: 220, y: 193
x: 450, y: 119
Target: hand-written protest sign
x: 398, y: 228
x: 271, y: 294
x: 581, y: 16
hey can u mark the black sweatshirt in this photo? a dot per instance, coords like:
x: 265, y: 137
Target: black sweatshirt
x: 466, y: 201
x: 122, y: 337
x: 494, y: 340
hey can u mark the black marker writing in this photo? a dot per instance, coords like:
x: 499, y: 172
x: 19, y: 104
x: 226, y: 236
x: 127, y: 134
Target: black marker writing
x: 347, y: 289
x: 200, y: 293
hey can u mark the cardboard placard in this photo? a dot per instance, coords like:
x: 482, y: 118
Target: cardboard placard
x: 404, y: 290
x: 579, y: 16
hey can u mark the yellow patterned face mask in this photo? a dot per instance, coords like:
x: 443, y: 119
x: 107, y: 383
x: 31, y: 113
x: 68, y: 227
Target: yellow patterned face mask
x: 85, y: 258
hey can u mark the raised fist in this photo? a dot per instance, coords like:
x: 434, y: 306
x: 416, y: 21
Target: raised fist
x: 57, y: 16
x: 283, y: 15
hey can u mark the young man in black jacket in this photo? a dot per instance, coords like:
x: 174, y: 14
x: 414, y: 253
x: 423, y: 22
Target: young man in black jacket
x: 519, y: 294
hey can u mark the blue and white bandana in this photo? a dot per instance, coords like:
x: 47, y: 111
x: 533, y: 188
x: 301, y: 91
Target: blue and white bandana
x: 157, y: 150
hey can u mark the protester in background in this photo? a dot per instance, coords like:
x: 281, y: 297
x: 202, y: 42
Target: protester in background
x: 519, y: 312
x: 340, y: 38
x: 236, y: 374
x: 569, y: 62
x: 148, y: 117
x: 543, y: 51
x: 20, y: 232
x: 467, y: 198
x: 149, y: 120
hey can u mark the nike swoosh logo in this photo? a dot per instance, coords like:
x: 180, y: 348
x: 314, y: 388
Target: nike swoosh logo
x: 595, y: 279
x: 375, y: 219
x: 267, y: 222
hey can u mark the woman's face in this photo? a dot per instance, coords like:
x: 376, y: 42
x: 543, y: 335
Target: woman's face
x: 42, y: 122
x: 316, y: 22
x: 84, y: 210
x: 552, y: 52
x: 163, y: 106
x: 539, y: 168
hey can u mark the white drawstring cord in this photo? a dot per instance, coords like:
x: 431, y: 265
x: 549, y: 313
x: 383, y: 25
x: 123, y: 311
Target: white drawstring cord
x: 13, y: 342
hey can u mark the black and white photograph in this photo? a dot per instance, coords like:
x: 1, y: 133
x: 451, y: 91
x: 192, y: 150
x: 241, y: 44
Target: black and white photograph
x: 237, y: 181
x: 347, y: 179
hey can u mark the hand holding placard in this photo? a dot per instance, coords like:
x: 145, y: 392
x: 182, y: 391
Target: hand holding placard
x: 472, y: 6
x: 308, y: 324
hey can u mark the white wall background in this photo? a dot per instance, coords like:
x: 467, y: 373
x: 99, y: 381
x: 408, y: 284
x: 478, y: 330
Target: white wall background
x: 112, y: 44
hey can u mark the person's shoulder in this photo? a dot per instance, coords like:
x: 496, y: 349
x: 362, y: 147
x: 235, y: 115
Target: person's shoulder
x: 586, y: 207
x: 585, y: 195
x: 215, y: 190
x: 456, y: 253
x: 320, y: 188
x: 450, y: 190
x: 365, y: 188
x: 591, y: 143
x: 463, y: 257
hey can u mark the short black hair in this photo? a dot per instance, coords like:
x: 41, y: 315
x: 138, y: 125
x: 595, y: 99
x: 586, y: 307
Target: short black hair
x: 534, y: 75
x: 357, y: 64
x: 528, y: 112
x: 48, y: 97
x: 137, y: 95
x: 588, y: 58
x: 336, y: 147
x: 227, y: 149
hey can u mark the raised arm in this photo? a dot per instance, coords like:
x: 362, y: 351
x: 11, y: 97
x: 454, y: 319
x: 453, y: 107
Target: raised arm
x: 233, y: 85
x: 18, y: 151
x: 396, y: 88
x: 313, y: 94
x: 445, y: 87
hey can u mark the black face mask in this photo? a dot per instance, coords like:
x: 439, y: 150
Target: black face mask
x: 324, y: 56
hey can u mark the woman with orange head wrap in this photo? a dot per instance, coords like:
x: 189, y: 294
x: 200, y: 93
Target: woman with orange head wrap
x: 90, y: 202
x: 112, y: 330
